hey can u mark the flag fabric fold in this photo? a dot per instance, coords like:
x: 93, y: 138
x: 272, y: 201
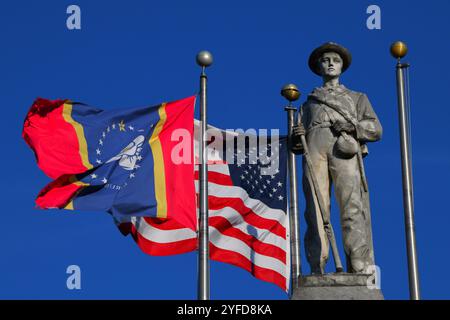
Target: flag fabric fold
x: 119, y: 161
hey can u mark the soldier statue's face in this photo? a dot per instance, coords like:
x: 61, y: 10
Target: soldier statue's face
x: 330, y: 65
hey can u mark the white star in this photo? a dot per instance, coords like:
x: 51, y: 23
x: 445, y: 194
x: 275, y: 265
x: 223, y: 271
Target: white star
x: 268, y: 181
x: 113, y: 125
x: 137, y: 166
x: 260, y: 191
x: 264, y: 186
x: 132, y: 175
x: 98, y: 161
x: 100, y: 141
x: 104, y: 180
x: 270, y: 195
x: 103, y: 134
x: 108, y: 129
x: 93, y: 176
x: 242, y: 177
x: 274, y: 189
x: 131, y: 128
x: 279, y: 184
x: 98, y: 151
x: 139, y: 158
x: 280, y: 198
x: 239, y: 165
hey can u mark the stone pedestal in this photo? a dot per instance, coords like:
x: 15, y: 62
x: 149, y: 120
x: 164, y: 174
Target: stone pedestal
x: 336, y: 286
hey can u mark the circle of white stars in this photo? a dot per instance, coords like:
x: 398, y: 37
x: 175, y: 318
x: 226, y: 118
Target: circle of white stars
x: 112, y: 128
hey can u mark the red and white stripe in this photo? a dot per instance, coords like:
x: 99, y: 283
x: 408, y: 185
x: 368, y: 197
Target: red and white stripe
x: 243, y: 231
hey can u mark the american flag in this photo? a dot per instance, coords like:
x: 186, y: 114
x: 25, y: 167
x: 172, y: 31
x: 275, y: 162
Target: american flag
x: 248, y: 223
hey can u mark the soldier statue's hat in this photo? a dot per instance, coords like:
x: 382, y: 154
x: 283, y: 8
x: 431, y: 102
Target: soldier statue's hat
x: 329, y: 47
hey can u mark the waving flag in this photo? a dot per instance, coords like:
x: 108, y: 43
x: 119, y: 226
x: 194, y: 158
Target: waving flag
x: 118, y: 161
x: 248, y: 224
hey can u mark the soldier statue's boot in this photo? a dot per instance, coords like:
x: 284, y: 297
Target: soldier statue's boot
x: 358, y: 265
x: 360, y: 260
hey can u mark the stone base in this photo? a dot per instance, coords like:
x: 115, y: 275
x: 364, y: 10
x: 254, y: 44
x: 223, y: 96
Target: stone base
x: 336, y: 286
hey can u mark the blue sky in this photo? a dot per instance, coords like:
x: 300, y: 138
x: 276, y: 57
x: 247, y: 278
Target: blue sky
x: 136, y: 53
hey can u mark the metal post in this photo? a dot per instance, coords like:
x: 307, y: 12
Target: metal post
x: 399, y: 50
x: 204, y: 59
x: 291, y: 93
x: 293, y: 205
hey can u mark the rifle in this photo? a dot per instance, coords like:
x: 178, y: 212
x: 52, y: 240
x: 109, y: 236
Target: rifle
x: 328, y: 228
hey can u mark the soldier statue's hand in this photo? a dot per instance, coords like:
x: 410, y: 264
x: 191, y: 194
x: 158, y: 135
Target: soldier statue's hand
x: 340, y: 126
x: 298, y: 130
x: 296, y: 141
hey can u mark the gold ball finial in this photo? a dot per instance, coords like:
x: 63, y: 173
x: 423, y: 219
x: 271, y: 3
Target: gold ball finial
x: 290, y: 92
x: 399, y: 49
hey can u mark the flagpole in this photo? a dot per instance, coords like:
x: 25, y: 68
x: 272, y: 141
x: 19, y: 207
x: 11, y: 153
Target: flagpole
x: 204, y: 59
x: 399, y: 50
x: 291, y: 93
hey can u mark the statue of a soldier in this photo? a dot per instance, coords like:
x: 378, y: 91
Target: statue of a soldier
x: 337, y: 124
